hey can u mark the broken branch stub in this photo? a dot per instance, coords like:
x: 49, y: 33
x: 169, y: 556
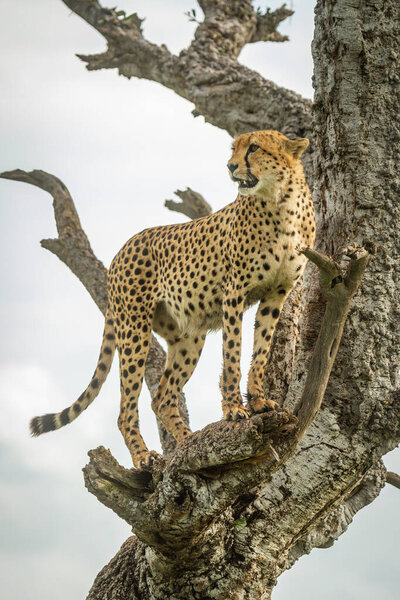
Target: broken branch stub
x: 393, y: 479
x: 72, y: 245
x: 338, y: 288
x: 193, y: 204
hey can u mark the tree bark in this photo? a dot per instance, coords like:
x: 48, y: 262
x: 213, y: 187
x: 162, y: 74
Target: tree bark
x: 233, y: 508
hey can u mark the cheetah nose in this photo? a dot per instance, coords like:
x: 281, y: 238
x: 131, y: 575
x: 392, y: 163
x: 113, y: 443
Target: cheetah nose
x: 232, y: 167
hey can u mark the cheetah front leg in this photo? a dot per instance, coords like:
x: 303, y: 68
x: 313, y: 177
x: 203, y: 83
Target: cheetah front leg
x: 232, y: 404
x: 267, y: 318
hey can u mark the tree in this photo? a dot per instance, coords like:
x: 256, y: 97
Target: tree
x: 355, y: 146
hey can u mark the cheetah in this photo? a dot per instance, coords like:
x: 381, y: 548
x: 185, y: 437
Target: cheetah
x: 184, y: 280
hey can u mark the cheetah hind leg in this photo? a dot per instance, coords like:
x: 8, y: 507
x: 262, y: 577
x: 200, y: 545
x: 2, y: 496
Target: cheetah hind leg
x: 182, y: 358
x: 133, y: 348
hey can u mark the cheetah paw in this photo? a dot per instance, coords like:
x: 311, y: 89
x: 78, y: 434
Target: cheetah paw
x: 148, y: 461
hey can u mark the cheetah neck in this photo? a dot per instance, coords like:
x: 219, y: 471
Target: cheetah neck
x: 285, y: 210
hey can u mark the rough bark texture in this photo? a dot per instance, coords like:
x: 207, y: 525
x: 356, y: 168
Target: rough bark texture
x: 233, y: 508
x: 192, y: 204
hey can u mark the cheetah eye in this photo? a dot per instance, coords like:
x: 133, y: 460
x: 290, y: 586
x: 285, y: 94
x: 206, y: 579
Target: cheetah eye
x: 253, y: 148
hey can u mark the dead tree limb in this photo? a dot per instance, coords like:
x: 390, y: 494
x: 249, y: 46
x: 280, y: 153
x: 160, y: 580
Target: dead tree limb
x: 72, y: 247
x: 267, y: 23
x: 185, y: 496
x: 207, y: 73
x: 192, y: 204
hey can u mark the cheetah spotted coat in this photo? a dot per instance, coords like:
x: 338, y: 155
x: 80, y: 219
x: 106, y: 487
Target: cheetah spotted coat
x: 184, y: 280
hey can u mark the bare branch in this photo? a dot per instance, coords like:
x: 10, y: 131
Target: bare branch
x: 393, y: 479
x: 72, y: 247
x: 267, y: 24
x: 107, y: 21
x: 339, y: 290
x: 127, y: 47
x: 225, y: 92
x: 193, y: 204
x: 254, y: 25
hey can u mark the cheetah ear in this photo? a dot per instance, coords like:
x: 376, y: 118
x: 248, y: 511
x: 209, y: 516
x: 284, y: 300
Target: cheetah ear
x: 297, y: 147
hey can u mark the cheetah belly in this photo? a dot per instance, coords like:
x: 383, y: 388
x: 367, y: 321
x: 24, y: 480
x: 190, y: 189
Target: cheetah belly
x: 201, y: 310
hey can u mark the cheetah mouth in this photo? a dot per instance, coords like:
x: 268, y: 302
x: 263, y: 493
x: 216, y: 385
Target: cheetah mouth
x: 246, y: 184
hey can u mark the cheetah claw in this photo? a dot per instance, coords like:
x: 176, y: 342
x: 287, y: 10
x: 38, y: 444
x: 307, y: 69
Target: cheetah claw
x: 237, y: 413
x: 149, y: 460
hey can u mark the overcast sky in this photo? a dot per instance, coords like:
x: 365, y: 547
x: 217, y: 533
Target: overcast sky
x: 121, y: 147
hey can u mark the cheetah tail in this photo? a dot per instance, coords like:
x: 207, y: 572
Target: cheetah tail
x: 45, y: 423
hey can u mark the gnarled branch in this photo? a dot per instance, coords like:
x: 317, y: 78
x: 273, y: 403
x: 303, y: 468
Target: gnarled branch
x: 72, y: 245
x: 267, y: 23
x: 73, y: 248
x: 184, y: 495
x: 207, y: 73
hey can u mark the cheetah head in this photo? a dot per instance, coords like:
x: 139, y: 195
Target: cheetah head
x: 262, y: 161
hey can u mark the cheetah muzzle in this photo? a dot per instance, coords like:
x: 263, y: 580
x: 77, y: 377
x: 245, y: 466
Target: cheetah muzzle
x: 249, y: 183
x: 184, y: 280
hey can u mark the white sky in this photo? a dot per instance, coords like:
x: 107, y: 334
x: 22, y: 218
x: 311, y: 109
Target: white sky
x: 121, y: 147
